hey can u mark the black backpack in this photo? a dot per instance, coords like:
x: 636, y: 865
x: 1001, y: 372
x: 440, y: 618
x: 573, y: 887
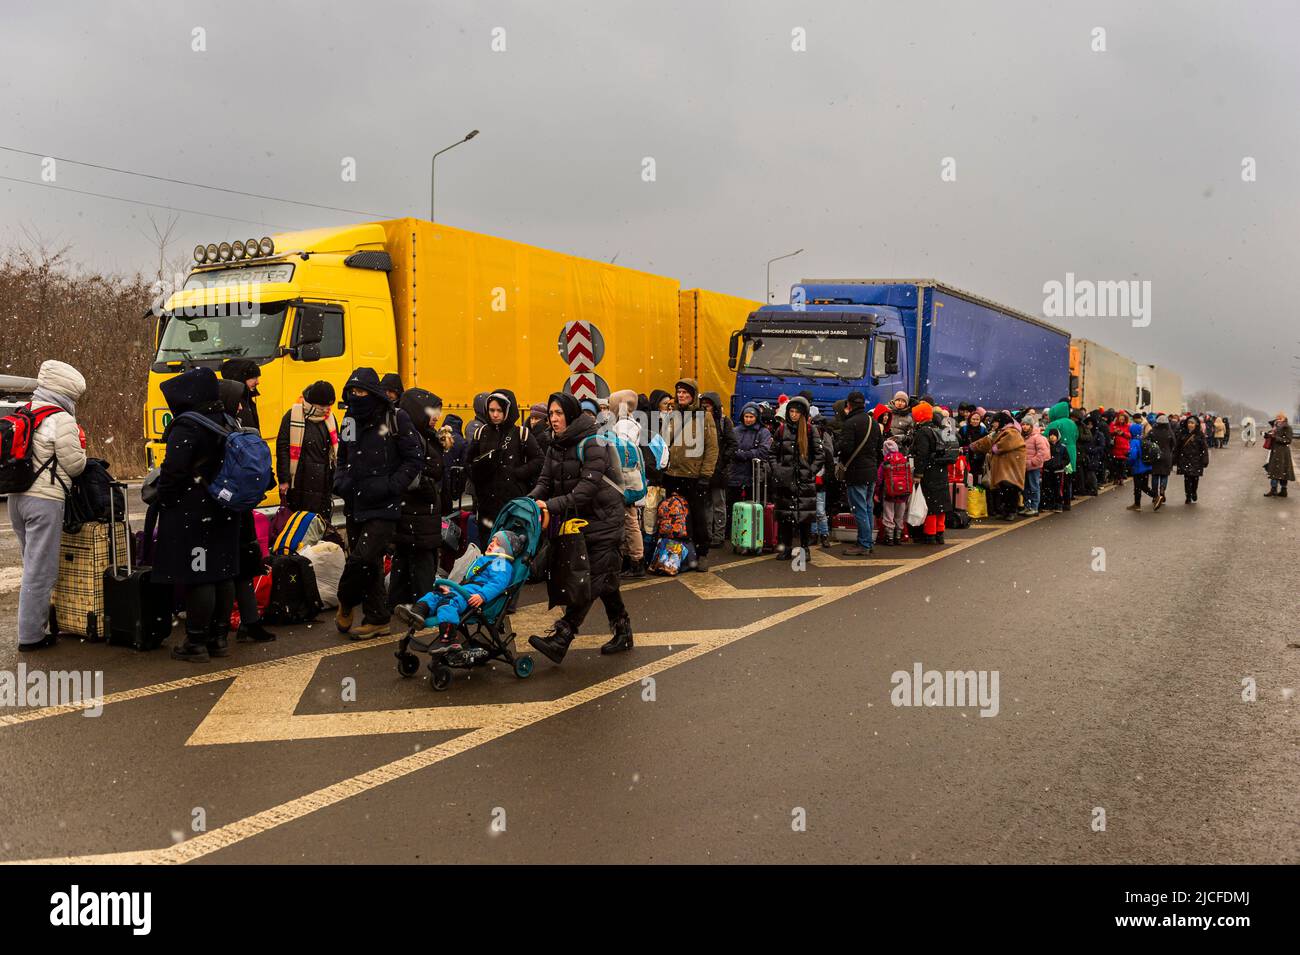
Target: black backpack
x: 89, y: 497
x: 1150, y: 451
x: 294, y: 597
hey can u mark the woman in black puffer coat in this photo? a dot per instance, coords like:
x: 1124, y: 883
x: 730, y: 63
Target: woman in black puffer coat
x: 797, y: 456
x: 590, y: 488
x: 1192, y: 456
x: 419, y: 525
x: 503, y: 457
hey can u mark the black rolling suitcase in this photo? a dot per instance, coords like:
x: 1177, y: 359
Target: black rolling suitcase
x: 137, y: 611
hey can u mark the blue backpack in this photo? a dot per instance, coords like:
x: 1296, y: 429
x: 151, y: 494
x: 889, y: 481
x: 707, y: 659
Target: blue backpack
x: 633, y: 486
x: 245, y: 472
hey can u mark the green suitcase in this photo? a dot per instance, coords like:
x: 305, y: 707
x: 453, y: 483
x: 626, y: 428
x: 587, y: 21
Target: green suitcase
x: 747, y: 517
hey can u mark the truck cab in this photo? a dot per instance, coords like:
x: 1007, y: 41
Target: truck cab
x: 821, y: 343
x: 304, y: 306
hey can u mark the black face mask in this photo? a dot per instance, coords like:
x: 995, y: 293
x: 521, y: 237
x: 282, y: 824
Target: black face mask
x: 254, y: 393
x: 365, y: 407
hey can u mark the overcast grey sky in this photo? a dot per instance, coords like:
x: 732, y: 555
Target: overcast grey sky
x: 1117, y: 165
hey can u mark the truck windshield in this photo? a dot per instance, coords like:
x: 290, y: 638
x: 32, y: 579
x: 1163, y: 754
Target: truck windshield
x: 243, y: 330
x: 805, y: 357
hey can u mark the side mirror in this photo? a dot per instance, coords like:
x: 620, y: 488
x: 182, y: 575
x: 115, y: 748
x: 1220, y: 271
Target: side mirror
x: 309, y: 352
x: 732, y: 345
x: 311, y: 327
x: 891, y: 356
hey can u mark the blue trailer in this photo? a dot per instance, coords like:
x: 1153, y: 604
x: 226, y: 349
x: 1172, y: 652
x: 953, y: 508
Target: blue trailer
x: 882, y: 336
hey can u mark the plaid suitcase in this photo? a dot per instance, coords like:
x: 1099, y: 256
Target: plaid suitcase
x: 78, y: 602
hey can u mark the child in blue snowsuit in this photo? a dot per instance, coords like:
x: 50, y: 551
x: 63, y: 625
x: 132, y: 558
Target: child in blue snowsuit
x: 487, y: 578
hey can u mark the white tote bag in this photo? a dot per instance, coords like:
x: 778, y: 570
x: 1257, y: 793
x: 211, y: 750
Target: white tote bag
x: 916, y: 509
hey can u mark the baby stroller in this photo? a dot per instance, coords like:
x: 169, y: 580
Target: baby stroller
x: 484, y: 634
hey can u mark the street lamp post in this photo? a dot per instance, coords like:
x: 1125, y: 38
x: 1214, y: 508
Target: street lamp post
x: 769, y: 270
x: 433, y: 168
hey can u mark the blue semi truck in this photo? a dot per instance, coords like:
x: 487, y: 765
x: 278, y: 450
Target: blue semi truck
x: 882, y: 336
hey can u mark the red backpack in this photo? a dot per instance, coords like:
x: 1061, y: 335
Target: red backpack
x: 16, y: 472
x: 898, y: 477
x: 672, y: 518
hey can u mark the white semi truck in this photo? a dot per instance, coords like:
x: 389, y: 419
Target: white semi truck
x: 1159, y: 389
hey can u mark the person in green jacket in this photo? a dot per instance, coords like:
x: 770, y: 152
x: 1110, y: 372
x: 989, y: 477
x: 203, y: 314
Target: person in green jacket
x: 1059, y: 421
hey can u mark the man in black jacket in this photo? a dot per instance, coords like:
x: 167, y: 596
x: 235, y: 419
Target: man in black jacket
x: 857, y: 447
x: 379, y: 456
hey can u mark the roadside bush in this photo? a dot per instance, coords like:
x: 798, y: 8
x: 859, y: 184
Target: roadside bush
x: 96, y: 323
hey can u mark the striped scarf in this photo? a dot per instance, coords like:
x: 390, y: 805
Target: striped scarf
x: 299, y: 415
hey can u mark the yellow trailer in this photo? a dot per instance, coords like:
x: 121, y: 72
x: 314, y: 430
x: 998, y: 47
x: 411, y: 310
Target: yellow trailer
x: 475, y: 312
x: 707, y: 321
x: 452, y: 311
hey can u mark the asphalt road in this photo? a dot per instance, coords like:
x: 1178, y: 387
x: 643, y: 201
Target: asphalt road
x: 768, y: 732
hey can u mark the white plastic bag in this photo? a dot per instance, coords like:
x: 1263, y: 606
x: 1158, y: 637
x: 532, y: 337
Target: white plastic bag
x: 461, y: 567
x: 327, y: 561
x: 916, y: 509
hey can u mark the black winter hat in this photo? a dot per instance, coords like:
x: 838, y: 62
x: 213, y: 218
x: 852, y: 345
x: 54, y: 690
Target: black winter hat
x: 856, y: 398
x: 240, y: 369
x: 319, y: 393
x: 392, y: 382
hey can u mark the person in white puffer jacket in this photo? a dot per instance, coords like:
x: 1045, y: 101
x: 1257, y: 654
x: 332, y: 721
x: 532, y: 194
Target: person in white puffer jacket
x: 37, y: 514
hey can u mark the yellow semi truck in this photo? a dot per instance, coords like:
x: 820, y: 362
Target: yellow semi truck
x: 452, y: 311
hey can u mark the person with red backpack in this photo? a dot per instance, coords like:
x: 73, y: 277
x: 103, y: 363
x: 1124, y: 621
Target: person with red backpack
x: 894, y: 486
x: 42, y: 449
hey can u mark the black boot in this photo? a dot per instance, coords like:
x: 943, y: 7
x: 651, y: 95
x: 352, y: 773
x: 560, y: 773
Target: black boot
x: 622, y: 639
x: 254, y: 633
x: 938, y: 538
x: 194, y: 649
x: 555, y: 644
x: 219, y: 640
x: 635, y: 569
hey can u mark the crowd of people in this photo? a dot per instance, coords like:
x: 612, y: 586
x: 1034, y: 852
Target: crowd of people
x: 887, y: 475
